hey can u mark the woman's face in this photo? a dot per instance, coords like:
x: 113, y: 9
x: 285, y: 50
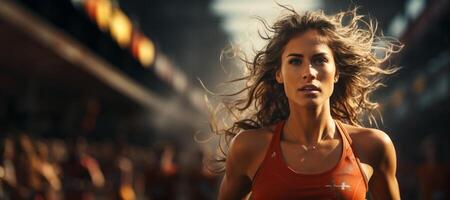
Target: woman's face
x: 307, y: 70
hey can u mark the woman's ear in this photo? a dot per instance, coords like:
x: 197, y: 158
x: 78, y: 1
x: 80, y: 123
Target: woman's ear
x: 278, y: 76
x: 336, y: 77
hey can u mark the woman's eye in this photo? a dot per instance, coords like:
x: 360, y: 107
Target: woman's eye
x: 320, y: 61
x: 295, y: 61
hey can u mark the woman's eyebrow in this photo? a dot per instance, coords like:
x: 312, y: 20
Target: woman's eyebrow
x: 295, y: 55
x: 320, y: 54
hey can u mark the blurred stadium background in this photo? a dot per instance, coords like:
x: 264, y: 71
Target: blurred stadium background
x: 101, y: 99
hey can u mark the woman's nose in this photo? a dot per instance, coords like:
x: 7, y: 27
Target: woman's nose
x: 309, y: 73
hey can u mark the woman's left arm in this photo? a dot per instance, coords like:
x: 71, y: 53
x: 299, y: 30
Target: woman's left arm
x: 383, y: 184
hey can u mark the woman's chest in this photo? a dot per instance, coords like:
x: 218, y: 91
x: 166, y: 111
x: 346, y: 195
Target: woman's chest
x: 346, y: 185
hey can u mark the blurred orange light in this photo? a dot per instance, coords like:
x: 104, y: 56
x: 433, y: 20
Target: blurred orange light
x: 135, y: 42
x: 142, y: 48
x: 120, y: 27
x: 91, y: 8
x: 146, y: 52
x: 103, y: 13
x: 127, y: 192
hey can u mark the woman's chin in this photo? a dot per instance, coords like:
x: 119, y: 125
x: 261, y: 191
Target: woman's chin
x: 309, y: 103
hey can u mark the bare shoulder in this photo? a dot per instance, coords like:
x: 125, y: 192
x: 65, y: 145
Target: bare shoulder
x: 248, y: 147
x: 372, y: 144
x: 249, y: 139
x: 362, y: 134
x: 250, y: 142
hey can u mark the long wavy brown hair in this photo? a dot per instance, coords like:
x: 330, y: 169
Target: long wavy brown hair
x: 358, y: 52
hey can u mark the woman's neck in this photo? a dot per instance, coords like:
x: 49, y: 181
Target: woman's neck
x: 306, y: 125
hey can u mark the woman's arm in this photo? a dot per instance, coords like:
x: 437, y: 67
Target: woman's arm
x: 383, y: 184
x: 236, y: 184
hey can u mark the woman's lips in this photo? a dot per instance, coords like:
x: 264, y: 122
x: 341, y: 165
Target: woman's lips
x: 309, y: 89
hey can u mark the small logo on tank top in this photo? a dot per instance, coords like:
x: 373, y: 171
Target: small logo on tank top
x: 342, y: 186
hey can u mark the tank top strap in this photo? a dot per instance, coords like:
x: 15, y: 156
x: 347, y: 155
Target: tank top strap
x: 277, y: 134
x: 344, y: 132
x: 272, y: 148
x: 350, y: 142
x: 275, y: 142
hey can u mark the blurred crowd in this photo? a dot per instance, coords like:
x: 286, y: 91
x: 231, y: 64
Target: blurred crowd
x: 41, y: 168
x: 429, y: 177
x: 34, y: 168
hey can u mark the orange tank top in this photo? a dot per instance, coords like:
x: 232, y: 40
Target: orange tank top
x: 275, y: 180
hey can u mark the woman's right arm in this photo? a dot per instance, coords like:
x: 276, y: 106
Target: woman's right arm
x: 236, y: 184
